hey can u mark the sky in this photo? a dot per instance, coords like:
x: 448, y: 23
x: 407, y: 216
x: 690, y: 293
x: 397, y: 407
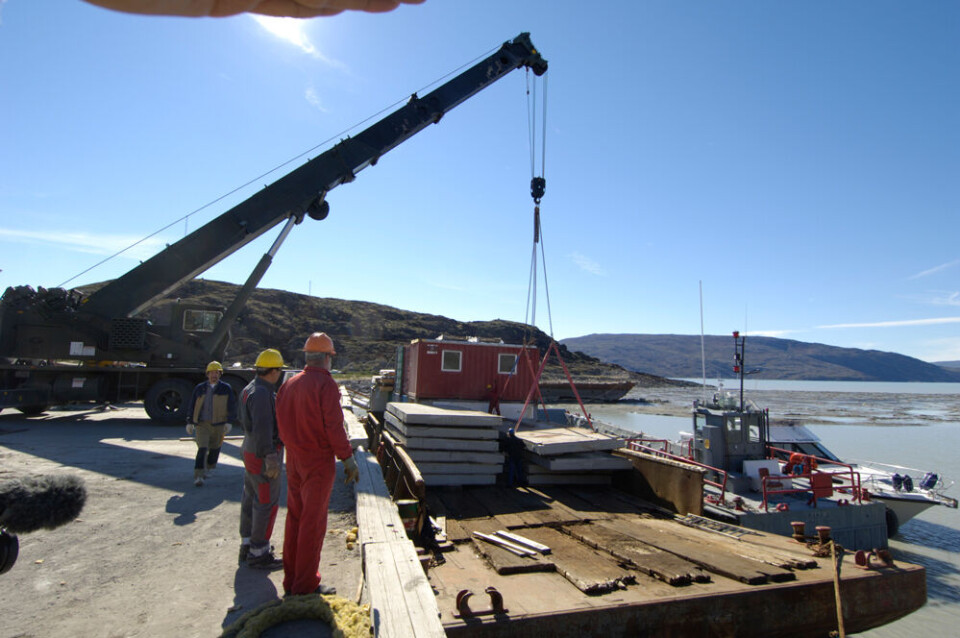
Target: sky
x: 787, y: 169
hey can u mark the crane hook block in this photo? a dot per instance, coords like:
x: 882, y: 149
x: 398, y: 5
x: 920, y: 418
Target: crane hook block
x: 538, y: 186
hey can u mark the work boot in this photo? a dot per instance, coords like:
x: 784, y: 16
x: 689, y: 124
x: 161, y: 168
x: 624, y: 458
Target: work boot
x: 265, y: 560
x: 323, y: 590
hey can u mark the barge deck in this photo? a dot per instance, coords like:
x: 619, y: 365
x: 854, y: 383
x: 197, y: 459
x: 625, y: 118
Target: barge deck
x: 620, y: 567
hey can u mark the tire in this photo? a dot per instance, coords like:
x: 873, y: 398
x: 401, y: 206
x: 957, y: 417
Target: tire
x: 168, y: 400
x: 893, y: 523
x: 237, y: 384
x: 33, y: 410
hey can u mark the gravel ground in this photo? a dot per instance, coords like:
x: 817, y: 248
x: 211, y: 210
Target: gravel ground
x: 151, y: 554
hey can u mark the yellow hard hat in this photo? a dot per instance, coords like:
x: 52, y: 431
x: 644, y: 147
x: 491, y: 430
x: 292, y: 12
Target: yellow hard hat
x: 269, y: 358
x: 319, y: 342
x: 214, y: 365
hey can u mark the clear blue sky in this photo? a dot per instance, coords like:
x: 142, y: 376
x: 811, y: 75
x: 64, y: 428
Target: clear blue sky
x: 800, y: 159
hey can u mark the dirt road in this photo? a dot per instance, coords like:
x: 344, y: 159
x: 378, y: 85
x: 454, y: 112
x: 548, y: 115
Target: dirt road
x: 151, y: 554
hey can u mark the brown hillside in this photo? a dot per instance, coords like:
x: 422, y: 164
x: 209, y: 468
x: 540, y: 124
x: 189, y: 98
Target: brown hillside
x: 366, y: 334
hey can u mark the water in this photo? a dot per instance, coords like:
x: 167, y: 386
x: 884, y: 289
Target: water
x: 915, y: 425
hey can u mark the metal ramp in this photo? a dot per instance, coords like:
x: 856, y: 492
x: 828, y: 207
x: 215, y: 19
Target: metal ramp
x: 710, y: 525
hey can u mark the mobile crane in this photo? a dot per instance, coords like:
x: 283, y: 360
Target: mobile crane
x: 59, y: 346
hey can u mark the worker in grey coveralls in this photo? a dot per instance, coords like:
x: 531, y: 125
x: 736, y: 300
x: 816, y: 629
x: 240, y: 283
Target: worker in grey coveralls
x: 262, y: 459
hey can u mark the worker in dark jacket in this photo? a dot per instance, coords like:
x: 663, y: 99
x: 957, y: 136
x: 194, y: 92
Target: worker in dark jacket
x: 213, y: 409
x: 262, y: 460
x: 311, y: 426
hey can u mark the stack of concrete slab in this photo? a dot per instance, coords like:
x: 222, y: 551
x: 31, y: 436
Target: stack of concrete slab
x: 569, y: 455
x: 450, y: 447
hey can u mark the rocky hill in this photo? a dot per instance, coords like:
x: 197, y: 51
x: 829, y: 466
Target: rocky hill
x: 366, y: 334
x: 678, y: 356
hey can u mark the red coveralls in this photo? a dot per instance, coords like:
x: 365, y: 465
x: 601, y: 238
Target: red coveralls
x: 310, y: 421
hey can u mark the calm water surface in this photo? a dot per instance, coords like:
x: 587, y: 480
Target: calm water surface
x: 916, y: 425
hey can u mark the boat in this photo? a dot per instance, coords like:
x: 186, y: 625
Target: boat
x: 750, y: 482
x: 587, y: 391
x: 767, y: 476
x: 906, y: 492
x: 529, y: 520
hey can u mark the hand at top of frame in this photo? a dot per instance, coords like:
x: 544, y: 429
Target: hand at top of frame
x: 278, y: 8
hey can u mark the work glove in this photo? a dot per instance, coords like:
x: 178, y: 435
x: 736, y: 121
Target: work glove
x: 190, y: 429
x: 226, y: 428
x: 351, y: 470
x: 271, y: 466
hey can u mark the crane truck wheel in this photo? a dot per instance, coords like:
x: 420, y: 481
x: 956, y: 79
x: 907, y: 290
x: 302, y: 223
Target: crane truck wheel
x: 33, y: 410
x: 168, y: 400
x: 237, y: 384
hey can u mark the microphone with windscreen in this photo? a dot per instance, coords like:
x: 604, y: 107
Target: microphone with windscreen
x: 34, y: 503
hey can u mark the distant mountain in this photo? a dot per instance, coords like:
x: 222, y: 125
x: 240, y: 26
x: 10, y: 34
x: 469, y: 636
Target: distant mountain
x: 678, y: 356
x: 947, y: 364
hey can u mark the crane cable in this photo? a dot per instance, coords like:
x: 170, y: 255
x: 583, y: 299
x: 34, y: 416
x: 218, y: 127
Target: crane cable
x: 538, y: 185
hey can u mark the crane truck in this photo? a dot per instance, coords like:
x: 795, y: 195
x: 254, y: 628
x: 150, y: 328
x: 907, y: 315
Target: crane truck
x: 61, y: 346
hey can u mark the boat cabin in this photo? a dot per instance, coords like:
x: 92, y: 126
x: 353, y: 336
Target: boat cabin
x: 726, y: 437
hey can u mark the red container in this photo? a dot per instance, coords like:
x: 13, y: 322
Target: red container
x: 468, y: 370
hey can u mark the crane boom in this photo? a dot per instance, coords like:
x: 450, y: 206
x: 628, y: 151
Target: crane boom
x: 301, y: 191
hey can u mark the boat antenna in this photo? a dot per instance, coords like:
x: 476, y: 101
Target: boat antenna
x: 703, y: 358
x: 738, y: 346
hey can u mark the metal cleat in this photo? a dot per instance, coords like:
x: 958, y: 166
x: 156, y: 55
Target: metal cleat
x: 463, y: 604
x: 873, y: 560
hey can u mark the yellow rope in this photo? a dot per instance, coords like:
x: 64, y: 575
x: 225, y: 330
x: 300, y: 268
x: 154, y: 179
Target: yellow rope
x: 346, y: 618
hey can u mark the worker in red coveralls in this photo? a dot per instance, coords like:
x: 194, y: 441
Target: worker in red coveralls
x: 311, y: 426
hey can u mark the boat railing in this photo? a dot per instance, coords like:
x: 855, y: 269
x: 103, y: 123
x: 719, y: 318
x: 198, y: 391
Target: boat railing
x: 647, y: 446
x: 843, y: 477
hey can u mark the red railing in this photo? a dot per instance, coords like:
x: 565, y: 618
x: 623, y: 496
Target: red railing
x: 820, y: 483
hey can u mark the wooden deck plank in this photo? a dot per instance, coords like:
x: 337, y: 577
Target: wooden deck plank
x: 710, y: 557
x: 402, y: 602
x: 507, y: 510
x: 588, y: 570
x: 505, y: 562
x: 652, y: 561
x: 377, y: 517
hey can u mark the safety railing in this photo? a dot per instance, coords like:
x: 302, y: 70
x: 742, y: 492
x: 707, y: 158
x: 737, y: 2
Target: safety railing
x: 821, y: 482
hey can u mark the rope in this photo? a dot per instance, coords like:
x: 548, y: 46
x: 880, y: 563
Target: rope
x: 346, y: 618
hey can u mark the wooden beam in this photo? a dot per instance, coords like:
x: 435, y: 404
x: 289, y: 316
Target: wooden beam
x: 401, y: 599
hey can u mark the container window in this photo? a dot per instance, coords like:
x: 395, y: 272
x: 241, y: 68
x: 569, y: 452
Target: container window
x: 201, y: 320
x: 451, y: 361
x: 507, y: 364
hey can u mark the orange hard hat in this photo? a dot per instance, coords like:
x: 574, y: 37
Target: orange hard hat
x: 319, y: 342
